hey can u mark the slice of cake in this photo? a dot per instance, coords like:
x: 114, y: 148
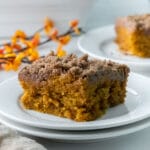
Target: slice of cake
x: 133, y: 35
x: 72, y: 87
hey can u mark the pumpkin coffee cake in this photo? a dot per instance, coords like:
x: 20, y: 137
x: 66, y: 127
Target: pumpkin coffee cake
x: 72, y: 87
x: 133, y: 35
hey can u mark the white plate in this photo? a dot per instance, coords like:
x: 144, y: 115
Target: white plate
x: 77, y: 136
x: 99, y: 43
x: 135, y: 108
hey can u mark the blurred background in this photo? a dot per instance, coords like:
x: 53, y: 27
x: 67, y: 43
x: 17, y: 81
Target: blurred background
x: 29, y: 14
x: 106, y: 11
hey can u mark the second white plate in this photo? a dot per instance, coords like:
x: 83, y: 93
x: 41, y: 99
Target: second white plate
x: 78, y: 136
x: 99, y: 43
x: 135, y: 108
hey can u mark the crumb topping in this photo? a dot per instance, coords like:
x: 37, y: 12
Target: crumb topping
x: 82, y: 67
x: 140, y: 22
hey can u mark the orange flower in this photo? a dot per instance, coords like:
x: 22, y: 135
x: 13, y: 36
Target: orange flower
x: 19, y: 57
x: 76, y: 30
x: 64, y: 39
x: 16, y: 46
x: 3, y: 61
x: 8, y: 66
x: 74, y: 25
x: 33, y: 54
x: 60, y: 51
x: 14, y: 40
x: 48, y: 25
x: 17, y: 61
x: 35, y: 40
x: 26, y: 42
x: 8, y: 49
x: 10, y: 55
x: 1, y: 51
x: 19, y: 34
x: 54, y: 33
x: 30, y: 43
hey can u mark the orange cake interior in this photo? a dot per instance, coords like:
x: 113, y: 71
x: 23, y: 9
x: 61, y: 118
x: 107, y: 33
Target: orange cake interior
x: 133, y: 35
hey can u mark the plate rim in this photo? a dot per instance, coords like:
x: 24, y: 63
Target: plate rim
x: 99, y: 135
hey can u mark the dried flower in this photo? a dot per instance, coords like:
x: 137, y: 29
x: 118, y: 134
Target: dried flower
x: 64, y: 39
x: 48, y: 25
x: 74, y: 25
x: 23, y: 48
x: 35, y: 40
x: 20, y: 34
x: 1, y: 51
x: 54, y: 33
x: 60, y: 51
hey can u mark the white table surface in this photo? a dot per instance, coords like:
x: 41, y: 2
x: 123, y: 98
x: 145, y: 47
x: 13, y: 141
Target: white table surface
x: 101, y: 15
